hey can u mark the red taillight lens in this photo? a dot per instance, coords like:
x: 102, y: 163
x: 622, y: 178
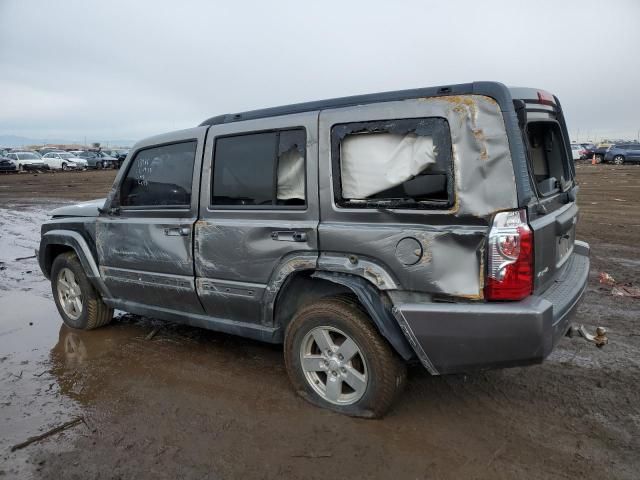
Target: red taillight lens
x: 545, y: 97
x: 510, y: 257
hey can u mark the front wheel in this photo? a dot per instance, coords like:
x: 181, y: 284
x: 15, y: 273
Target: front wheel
x: 599, y: 158
x: 618, y: 160
x: 78, y: 302
x: 64, y: 167
x: 336, y: 359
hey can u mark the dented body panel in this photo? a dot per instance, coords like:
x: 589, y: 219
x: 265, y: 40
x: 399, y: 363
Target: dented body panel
x: 238, y: 250
x: 418, y: 267
x: 450, y: 241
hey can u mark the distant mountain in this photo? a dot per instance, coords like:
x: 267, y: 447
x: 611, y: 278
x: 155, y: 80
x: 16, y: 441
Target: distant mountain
x: 17, y: 141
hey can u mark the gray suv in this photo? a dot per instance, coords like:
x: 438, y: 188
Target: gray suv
x: 434, y: 226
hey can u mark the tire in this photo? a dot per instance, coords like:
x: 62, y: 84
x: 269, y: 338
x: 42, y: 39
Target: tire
x: 92, y: 312
x: 618, y: 160
x: 378, y: 374
x: 64, y: 166
x: 599, y: 158
x: 105, y: 164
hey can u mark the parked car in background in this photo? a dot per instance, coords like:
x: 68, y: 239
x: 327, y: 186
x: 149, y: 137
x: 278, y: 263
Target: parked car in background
x: 7, y: 164
x: 600, y: 150
x: 99, y: 160
x: 576, y: 151
x: 63, y: 161
x: 27, y: 160
x: 119, y: 153
x: 623, y: 153
x: 588, y: 149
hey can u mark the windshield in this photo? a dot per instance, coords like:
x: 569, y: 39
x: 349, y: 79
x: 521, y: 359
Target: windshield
x: 28, y: 156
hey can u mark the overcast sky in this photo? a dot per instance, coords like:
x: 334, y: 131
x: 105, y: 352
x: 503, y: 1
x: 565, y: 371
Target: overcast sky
x: 129, y: 69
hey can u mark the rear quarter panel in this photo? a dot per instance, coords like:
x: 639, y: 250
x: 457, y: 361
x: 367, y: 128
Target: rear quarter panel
x: 452, y: 241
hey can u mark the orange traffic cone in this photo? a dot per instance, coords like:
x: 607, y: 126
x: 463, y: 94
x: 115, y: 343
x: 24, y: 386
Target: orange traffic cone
x: 593, y: 159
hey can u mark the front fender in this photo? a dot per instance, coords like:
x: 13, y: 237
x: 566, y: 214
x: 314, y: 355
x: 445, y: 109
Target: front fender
x: 79, y: 245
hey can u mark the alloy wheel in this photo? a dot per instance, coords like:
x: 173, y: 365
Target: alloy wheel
x: 334, y: 365
x: 69, y: 294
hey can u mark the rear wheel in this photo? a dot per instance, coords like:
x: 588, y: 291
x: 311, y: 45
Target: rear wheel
x: 599, y: 158
x: 618, y: 159
x: 78, y: 303
x: 336, y: 359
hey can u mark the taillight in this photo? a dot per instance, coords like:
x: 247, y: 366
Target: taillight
x: 510, y: 257
x: 546, y: 97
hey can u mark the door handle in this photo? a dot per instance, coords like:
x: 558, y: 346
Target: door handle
x: 177, y: 232
x: 289, y: 236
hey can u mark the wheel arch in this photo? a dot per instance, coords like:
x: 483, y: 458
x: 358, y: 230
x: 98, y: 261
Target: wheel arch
x: 309, y: 285
x: 56, y: 242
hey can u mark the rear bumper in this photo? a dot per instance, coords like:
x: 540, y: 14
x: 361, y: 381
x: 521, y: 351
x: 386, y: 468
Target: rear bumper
x: 457, y: 337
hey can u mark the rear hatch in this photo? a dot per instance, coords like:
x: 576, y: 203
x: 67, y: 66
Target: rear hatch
x: 553, y: 213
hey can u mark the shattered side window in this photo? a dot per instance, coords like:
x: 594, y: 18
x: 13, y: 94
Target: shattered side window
x: 160, y: 177
x: 265, y: 169
x: 403, y: 163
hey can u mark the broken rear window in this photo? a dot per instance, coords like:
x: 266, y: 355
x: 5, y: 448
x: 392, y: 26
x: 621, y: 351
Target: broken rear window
x: 403, y: 163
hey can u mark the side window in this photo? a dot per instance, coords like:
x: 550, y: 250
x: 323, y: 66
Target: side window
x: 403, y: 163
x: 260, y: 169
x: 160, y: 176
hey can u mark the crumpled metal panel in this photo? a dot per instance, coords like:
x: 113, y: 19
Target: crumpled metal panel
x: 449, y: 260
x: 484, y: 176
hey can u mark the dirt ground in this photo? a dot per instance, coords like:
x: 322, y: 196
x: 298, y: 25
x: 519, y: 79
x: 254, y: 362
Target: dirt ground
x: 190, y: 403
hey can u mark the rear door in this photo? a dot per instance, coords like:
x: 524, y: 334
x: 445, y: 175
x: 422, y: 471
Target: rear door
x: 258, y: 211
x: 144, y: 238
x: 554, y: 213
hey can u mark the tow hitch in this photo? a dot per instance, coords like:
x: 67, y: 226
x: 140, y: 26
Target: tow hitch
x: 600, y: 338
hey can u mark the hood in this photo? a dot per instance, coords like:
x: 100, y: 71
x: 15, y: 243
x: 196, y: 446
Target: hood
x: 84, y: 209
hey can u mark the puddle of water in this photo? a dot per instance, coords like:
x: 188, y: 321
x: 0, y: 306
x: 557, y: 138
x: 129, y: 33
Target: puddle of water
x: 30, y: 402
x: 46, y: 374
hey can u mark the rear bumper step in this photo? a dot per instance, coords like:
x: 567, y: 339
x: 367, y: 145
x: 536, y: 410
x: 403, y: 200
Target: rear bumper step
x: 457, y: 337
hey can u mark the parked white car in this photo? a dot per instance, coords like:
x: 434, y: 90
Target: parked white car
x: 26, y: 160
x: 576, y: 151
x: 63, y: 161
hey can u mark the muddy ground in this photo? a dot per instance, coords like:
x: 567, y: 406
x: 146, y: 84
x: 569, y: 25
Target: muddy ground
x: 196, y: 404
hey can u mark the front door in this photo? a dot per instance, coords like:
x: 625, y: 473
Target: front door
x: 258, y: 211
x: 144, y: 238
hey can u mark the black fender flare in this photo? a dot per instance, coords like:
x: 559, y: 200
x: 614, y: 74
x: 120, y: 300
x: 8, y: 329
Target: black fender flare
x: 373, y: 301
x: 79, y: 245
